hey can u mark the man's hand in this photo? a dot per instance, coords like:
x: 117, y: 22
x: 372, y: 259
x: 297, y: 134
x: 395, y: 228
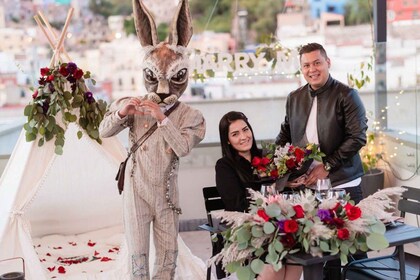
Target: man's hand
x: 318, y: 172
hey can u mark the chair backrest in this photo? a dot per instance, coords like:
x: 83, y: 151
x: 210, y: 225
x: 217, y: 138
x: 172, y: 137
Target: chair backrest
x: 212, y: 201
x: 410, y: 201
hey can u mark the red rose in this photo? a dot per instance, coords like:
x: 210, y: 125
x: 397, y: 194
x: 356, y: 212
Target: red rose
x: 274, y: 173
x: 256, y: 161
x: 50, y: 78
x: 300, y: 154
x: 353, y: 212
x: 290, y: 163
x: 265, y: 161
x: 63, y: 71
x: 78, y: 74
x: 44, y: 71
x: 299, y: 211
x: 339, y: 223
x: 35, y: 94
x: 263, y: 215
x: 336, y: 207
x: 262, y: 168
x: 288, y: 240
x: 343, y: 234
x: 290, y: 226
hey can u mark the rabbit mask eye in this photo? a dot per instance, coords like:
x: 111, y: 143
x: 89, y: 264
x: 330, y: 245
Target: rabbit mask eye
x: 150, y: 76
x: 180, y: 76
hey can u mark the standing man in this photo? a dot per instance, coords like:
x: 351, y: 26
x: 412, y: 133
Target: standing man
x: 331, y: 114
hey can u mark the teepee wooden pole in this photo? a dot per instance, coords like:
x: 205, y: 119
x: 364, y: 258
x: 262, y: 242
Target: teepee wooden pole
x: 62, y: 36
x: 53, y: 34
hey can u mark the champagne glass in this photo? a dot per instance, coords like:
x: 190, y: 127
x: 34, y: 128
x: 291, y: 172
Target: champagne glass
x: 290, y: 195
x: 323, y: 186
x: 338, y: 194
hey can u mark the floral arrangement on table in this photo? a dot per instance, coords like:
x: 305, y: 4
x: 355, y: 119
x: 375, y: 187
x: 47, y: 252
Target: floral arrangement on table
x: 277, y: 161
x: 62, y: 89
x: 275, y: 227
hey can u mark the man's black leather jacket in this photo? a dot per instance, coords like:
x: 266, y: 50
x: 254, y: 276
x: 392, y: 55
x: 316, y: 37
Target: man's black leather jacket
x: 341, y: 122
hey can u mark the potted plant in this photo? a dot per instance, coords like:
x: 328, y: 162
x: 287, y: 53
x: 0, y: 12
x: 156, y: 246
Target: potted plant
x: 373, y: 179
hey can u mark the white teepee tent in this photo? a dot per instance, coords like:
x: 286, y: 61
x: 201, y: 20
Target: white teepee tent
x: 42, y: 193
x: 53, y: 208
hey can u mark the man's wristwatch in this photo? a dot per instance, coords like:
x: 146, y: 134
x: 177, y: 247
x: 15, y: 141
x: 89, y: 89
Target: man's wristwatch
x: 327, y: 167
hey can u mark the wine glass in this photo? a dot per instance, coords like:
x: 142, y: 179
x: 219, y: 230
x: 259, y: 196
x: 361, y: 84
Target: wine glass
x: 338, y: 194
x: 323, y: 186
x: 290, y: 195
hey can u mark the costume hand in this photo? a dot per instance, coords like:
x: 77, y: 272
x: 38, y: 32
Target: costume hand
x: 318, y: 172
x: 152, y: 109
x: 131, y: 108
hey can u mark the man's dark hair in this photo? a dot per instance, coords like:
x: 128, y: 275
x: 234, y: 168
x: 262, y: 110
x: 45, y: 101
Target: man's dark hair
x: 312, y: 47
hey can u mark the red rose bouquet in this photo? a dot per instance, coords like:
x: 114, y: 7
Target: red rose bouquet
x: 276, y: 226
x: 278, y: 161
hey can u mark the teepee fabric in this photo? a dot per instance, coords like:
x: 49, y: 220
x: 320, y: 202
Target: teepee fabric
x: 42, y: 193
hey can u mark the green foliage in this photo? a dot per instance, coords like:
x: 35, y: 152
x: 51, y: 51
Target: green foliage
x: 61, y: 90
x: 358, y: 12
x: 129, y: 26
x: 107, y: 8
x: 370, y: 156
x: 362, y: 78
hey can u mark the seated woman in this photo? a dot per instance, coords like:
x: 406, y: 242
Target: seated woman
x: 234, y: 174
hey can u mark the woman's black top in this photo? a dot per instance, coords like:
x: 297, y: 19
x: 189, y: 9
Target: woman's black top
x: 231, y: 188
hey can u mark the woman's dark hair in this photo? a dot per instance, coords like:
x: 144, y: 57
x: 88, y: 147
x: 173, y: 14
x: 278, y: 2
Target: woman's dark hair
x: 227, y: 150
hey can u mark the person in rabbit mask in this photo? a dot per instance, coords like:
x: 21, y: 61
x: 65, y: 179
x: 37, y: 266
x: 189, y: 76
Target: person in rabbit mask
x: 152, y: 195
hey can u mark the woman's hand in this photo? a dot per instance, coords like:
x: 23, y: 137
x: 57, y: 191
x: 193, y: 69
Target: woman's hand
x: 135, y: 106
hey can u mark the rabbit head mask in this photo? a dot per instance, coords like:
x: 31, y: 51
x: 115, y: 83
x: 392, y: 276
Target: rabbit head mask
x: 165, y: 65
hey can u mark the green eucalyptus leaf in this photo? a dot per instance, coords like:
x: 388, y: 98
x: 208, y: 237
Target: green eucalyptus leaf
x: 324, y: 246
x: 243, y: 235
x: 27, y: 127
x: 79, y: 134
x: 257, y: 231
x: 376, y: 241
x: 41, y: 130
x: 59, y: 141
x: 269, y: 228
x: 232, y: 267
x: 244, y: 273
x: 40, y: 142
x: 257, y: 266
x: 30, y: 136
x: 259, y: 252
x: 378, y: 227
x: 94, y: 133
x: 28, y: 110
x: 343, y: 258
x: 59, y: 150
x: 243, y: 245
x: 67, y: 95
x: 278, y: 246
x: 273, y: 210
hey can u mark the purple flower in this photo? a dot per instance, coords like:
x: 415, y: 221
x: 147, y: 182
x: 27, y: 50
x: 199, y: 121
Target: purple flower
x: 324, y: 214
x: 42, y: 81
x: 51, y: 87
x: 280, y: 225
x: 45, y: 107
x: 71, y: 79
x: 71, y: 67
x: 308, y: 152
x: 89, y: 97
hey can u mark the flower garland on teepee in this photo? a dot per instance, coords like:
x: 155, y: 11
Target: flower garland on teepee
x: 62, y: 90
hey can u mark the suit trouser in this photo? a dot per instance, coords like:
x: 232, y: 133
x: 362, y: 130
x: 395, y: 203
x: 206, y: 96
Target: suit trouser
x: 155, y: 211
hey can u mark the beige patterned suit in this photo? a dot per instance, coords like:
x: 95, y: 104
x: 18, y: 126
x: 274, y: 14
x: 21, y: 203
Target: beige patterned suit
x: 152, y: 169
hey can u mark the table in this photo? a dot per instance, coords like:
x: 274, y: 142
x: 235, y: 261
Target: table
x: 397, y: 236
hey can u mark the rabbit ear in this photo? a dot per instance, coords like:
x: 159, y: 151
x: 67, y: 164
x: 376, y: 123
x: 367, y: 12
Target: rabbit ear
x: 181, y: 27
x: 145, y: 25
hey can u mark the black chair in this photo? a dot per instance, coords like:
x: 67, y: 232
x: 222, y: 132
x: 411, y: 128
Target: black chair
x: 213, y: 202
x: 387, y: 267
